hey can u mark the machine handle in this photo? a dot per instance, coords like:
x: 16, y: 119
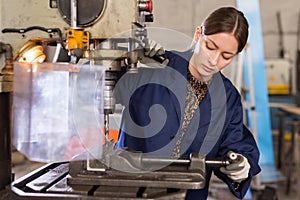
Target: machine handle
x: 222, y: 162
x: 22, y: 31
x: 214, y: 162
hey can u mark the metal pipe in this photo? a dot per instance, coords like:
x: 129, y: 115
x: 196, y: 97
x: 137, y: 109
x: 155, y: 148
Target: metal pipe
x: 209, y: 162
x: 132, y: 57
x: 73, y: 13
x: 5, y: 140
x: 217, y: 163
x: 7, y: 49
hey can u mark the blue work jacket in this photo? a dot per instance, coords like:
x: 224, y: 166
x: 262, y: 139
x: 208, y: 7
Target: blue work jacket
x: 154, y: 103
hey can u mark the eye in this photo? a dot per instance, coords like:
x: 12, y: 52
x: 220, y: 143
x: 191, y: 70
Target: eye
x: 210, y: 45
x: 227, y: 56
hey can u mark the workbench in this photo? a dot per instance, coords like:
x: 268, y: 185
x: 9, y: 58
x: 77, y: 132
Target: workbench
x: 289, y: 116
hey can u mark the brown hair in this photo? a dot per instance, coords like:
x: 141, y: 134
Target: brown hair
x: 229, y: 20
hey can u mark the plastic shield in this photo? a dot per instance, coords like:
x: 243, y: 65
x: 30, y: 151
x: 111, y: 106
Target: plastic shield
x: 57, y: 110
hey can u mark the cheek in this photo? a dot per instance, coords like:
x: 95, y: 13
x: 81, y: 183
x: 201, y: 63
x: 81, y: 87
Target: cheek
x: 223, y: 64
x: 200, y: 58
x: 197, y: 47
x: 202, y: 54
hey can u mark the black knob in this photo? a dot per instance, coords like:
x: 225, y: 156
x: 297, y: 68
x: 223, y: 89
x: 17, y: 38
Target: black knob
x: 149, y: 18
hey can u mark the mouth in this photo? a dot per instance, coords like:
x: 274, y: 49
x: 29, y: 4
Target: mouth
x: 208, y: 69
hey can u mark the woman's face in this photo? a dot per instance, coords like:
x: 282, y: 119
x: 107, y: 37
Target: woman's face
x: 212, y: 53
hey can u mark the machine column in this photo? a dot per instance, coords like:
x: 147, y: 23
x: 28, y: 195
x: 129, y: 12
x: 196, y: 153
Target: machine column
x: 5, y: 140
x: 6, y: 89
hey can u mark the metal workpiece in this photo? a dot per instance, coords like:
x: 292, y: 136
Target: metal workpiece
x: 232, y: 156
x: 134, y: 169
x: 52, y: 182
x: 77, y: 180
x: 216, y: 162
x: 196, y: 162
x: 222, y: 162
x: 137, y: 162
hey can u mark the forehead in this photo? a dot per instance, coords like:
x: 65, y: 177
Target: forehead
x: 224, y: 41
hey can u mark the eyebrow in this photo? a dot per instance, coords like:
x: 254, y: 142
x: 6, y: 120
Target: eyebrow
x: 227, y: 52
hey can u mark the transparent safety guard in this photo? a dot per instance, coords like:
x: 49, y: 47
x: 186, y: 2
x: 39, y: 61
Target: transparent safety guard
x: 57, y: 110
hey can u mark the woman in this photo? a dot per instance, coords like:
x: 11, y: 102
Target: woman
x: 190, y: 106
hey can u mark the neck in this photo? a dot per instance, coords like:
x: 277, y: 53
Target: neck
x: 197, y: 75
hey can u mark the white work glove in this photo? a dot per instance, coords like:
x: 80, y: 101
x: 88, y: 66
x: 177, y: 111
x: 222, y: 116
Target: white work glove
x: 153, y: 53
x: 238, y: 170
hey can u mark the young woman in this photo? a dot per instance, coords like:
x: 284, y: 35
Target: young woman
x: 190, y: 106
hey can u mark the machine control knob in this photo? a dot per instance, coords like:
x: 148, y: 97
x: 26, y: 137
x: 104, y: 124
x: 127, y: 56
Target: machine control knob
x: 149, y: 6
x: 149, y: 18
x: 146, y: 5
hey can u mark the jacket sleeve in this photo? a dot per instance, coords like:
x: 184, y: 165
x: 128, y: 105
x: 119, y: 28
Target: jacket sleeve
x: 238, y: 138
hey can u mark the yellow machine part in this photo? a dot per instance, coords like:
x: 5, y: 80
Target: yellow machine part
x: 278, y: 89
x: 77, y: 39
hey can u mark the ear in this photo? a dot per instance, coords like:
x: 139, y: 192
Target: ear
x: 197, y: 33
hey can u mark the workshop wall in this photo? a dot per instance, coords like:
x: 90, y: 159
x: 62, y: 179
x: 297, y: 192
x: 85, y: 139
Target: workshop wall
x: 184, y: 16
x: 23, y: 14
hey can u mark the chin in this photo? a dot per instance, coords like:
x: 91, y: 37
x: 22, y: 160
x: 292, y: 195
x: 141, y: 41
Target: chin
x: 204, y: 73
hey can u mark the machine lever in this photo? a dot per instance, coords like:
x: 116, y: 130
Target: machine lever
x: 217, y: 163
x: 222, y: 162
x: 22, y: 31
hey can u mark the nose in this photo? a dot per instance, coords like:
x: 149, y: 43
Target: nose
x: 214, y: 57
